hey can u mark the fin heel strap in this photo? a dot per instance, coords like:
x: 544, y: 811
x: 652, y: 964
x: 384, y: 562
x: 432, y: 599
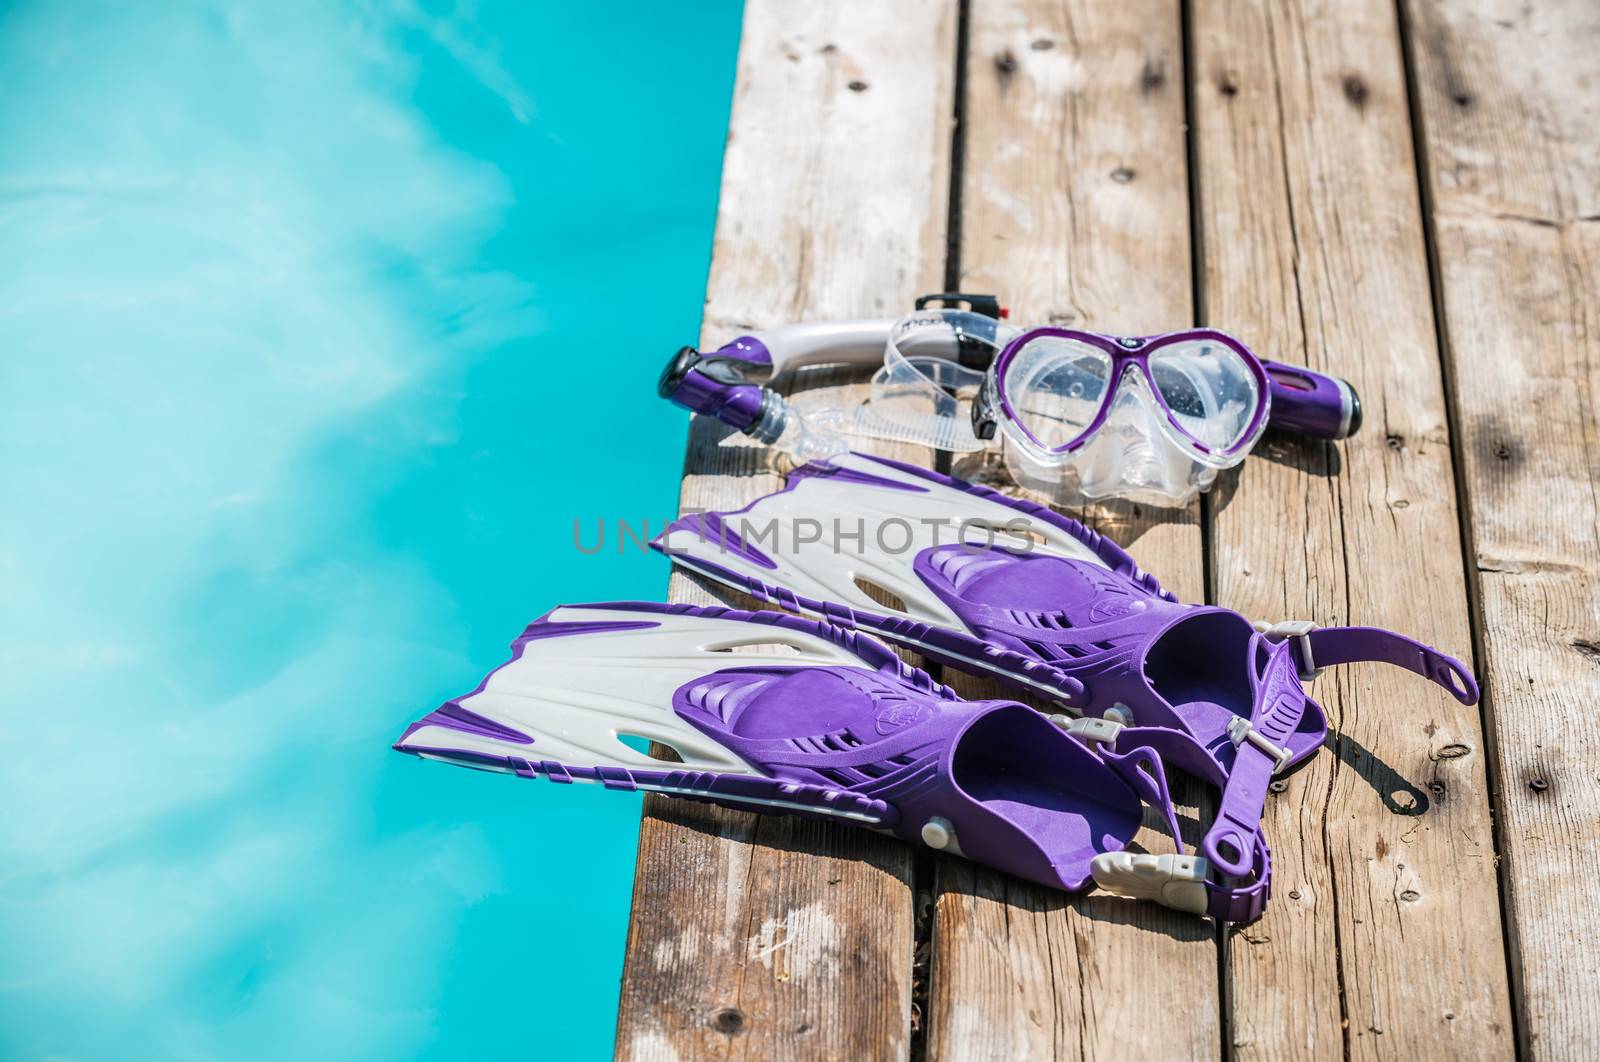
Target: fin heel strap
x: 1280, y: 703
x: 1144, y: 771
x: 1244, y: 903
x: 1141, y: 767
x: 1348, y: 645
x: 1320, y: 647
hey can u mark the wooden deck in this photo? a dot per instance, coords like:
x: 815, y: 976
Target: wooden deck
x: 1406, y: 195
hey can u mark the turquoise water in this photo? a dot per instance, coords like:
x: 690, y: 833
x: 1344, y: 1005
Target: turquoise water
x: 303, y: 384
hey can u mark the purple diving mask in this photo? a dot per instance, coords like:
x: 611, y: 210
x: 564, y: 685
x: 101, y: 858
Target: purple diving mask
x: 1151, y: 418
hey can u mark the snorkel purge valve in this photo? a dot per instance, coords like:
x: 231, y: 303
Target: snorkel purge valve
x: 715, y: 385
x: 1077, y: 414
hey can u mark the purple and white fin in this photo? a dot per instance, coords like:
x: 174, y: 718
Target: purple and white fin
x: 839, y: 542
x: 587, y: 687
x: 774, y: 712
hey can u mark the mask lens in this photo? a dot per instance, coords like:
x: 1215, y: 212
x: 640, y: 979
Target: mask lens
x: 1209, y: 388
x: 1056, y: 386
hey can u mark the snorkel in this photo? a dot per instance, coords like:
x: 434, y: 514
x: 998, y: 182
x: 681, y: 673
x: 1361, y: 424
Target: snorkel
x: 730, y: 384
x: 1150, y: 419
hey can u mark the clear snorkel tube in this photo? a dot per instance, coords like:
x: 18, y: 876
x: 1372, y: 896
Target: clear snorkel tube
x: 935, y: 363
x: 932, y: 365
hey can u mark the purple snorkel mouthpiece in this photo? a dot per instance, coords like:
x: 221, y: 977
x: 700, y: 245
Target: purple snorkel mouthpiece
x: 723, y: 384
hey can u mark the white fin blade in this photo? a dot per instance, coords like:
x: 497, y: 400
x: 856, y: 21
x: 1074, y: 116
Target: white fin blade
x: 575, y: 694
x: 895, y: 526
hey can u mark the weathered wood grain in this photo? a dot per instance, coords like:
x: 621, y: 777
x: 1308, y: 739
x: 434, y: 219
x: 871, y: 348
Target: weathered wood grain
x: 1509, y: 101
x: 765, y: 937
x: 760, y: 936
x: 1074, y: 208
x: 1383, y: 937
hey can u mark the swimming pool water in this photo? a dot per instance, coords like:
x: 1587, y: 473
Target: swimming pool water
x: 320, y: 324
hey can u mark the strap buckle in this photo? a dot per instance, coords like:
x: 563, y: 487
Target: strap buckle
x: 1176, y: 881
x: 1240, y: 730
x: 1300, y: 631
x: 1091, y: 730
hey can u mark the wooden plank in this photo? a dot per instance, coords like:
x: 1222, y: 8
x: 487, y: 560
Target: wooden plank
x: 759, y: 936
x: 1075, y: 209
x: 1383, y: 937
x: 1509, y: 98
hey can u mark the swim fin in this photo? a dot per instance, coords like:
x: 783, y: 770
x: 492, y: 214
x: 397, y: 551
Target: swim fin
x: 991, y: 584
x: 836, y: 727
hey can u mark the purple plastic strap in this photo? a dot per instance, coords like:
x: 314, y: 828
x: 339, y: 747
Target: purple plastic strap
x: 1143, y: 770
x: 1345, y: 645
x: 1244, y: 903
x: 1280, y: 701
